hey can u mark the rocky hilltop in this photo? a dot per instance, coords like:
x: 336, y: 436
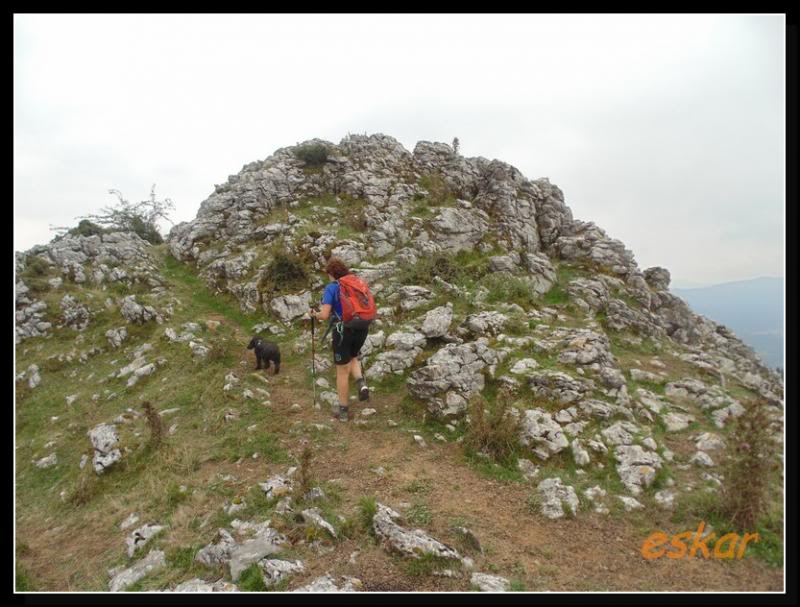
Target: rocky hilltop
x: 476, y: 204
x: 488, y: 290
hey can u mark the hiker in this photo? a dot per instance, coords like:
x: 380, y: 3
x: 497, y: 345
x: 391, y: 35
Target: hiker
x: 349, y: 325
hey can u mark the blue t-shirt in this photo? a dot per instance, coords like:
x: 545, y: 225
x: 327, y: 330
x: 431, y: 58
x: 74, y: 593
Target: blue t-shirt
x: 331, y: 297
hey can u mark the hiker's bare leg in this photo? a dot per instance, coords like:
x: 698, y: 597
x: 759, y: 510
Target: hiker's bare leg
x: 342, y: 382
x: 355, y: 369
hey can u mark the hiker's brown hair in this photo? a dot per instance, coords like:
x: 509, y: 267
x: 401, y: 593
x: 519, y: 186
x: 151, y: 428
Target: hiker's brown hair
x: 336, y: 268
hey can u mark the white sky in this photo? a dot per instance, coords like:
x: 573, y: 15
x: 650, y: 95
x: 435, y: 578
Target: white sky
x: 665, y: 130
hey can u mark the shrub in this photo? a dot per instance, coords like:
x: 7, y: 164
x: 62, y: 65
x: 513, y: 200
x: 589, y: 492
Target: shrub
x: 36, y: 266
x: 439, y: 192
x: 367, y: 507
x: 154, y: 423
x: 312, y: 154
x: 87, y: 228
x: 508, y: 289
x: 750, y: 466
x: 284, y: 273
x: 305, y: 469
x: 496, y: 434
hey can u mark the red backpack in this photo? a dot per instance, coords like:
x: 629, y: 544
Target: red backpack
x: 358, y: 305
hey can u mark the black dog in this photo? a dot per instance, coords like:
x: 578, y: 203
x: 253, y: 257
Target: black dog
x: 265, y: 351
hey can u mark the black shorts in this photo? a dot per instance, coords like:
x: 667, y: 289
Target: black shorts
x: 347, y: 345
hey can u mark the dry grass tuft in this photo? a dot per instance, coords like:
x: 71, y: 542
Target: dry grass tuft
x: 154, y: 423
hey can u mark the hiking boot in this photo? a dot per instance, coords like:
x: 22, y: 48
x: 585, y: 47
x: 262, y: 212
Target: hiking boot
x: 363, y: 390
x: 343, y: 413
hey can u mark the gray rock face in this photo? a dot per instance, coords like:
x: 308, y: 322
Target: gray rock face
x: 586, y: 347
x: 34, y: 379
x: 554, y: 495
x: 137, y: 313
x: 437, y: 321
x: 485, y: 323
x: 30, y: 319
x: 251, y: 551
x: 558, y: 386
x: 621, y: 317
x: 451, y: 376
x: 289, y: 307
x: 152, y: 562
x: 658, y: 278
x: 141, y: 536
x: 637, y: 468
x: 588, y: 294
x: 457, y: 229
x: 413, y: 296
x: 541, y: 273
x: 277, y: 486
x: 217, y: 552
x: 405, y: 340
x: 198, y: 585
x: 587, y: 242
x: 116, y: 336
x: 104, y: 438
x: 76, y: 316
x: 412, y: 543
x: 276, y: 570
x: 542, y: 433
x: 490, y: 583
x: 313, y: 516
x: 47, y: 462
x: 326, y: 584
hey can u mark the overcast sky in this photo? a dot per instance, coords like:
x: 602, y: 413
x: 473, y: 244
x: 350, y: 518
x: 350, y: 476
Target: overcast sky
x: 665, y: 130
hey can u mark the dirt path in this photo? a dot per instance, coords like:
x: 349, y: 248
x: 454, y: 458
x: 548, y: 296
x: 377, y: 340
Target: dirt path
x: 592, y: 552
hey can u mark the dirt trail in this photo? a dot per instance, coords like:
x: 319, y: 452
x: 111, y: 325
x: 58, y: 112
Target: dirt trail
x: 590, y: 552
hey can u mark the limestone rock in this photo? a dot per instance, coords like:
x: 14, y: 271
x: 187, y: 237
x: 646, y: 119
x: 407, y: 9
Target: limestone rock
x: 554, y: 494
x: 154, y: 561
x: 412, y: 543
x: 490, y: 583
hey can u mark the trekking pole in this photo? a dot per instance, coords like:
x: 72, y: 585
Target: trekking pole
x: 313, y: 360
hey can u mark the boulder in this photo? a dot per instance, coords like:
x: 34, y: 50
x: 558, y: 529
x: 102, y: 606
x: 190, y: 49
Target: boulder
x: 554, y: 494
x: 414, y: 543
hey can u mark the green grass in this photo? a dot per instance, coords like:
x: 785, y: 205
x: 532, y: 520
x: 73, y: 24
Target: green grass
x: 252, y: 580
x: 427, y: 564
x: 704, y: 506
x: 222, y: 304
x: 367, y: 508
x: 419, y: 514
x: 505, y: 471
x: 555, y: 296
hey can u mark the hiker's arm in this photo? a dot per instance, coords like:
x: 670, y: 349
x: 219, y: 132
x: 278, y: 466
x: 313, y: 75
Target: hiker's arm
x: 324, y: 313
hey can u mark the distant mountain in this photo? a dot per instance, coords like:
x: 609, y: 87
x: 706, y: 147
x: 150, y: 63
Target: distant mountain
x: 753, y: 309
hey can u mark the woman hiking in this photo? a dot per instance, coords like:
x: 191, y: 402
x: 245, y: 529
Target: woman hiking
x: 350, y: 307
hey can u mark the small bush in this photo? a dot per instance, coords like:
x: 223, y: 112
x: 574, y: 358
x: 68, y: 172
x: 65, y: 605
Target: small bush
x: 252, y: 580
x: 312, y: 155
x: 367, y: 507
x: 154, y: 423
x: 555, y: 296
x: 496, y: 434
x: 284, y: 273
x: 87, y: 228
x: 508, y: 289
x: 305, y: 470
x: 439, y: 193
x: 751, y: 464
x: 36, y: 266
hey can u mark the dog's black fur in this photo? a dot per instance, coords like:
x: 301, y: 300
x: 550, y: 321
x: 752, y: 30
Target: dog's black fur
x: 266, y: 351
